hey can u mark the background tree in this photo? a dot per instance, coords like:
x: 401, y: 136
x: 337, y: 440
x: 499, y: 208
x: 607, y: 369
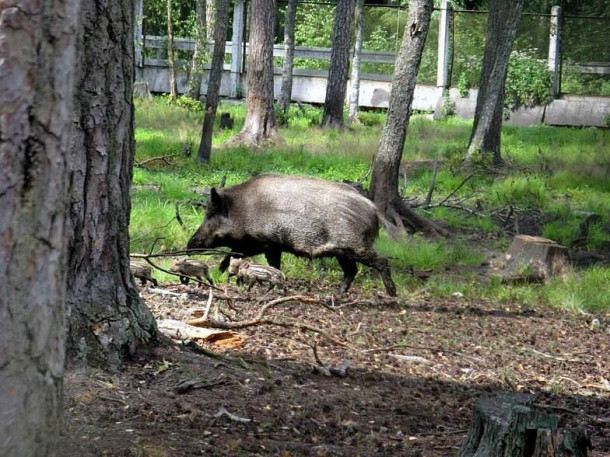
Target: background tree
x: 37, y: 57
x: 108, y: 320
x: 286, y: 90
x: 259, y: 126
x: 487, y: 125
x: 339, y: 65
x: 196, y: 75
x: 211, y: 99
x: 355, y: 78
x: 173, y: 86
x: 386, y: 163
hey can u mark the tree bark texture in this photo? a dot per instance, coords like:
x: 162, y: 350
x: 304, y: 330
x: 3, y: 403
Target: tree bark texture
x: 37, y: 58
x: 511, y: 425
x: 386, y: 163
x: 196, y: 75
x: 260, y: 126
x: 211, y: 99
x: 108, y: 320
x: 502, y: 25
x: 339, y: 65
x: 286, y: 90
x: 355, y: 77
x: 173, y: 86
x: 209, y: 20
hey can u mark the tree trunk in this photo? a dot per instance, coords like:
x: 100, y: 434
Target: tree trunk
x: 211, y: 99
x: 339, y: 66
x: 259, y: 127
x: 108, y: 320
x: 37, y: 58
x: 196, y: 76
x: 286, y: 91
x: 209, y: 20
x: 386, y: 163
x: 173, y: 87
x: 355, y: 78
x: 487, y: 125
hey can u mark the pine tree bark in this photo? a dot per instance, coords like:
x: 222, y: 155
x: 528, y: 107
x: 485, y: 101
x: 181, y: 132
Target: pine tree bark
x: 259, y: 127
x: 211, y: 99
x: 196, y: 75
x: 339, y: 66
x: 502, y: 25
x: 108, y: 320
x: 355, y: 77
x: 286, y: 90
x: 37, y: 58
x: 386, y: 163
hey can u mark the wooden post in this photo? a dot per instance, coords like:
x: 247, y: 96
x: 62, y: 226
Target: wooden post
x: 442, y: 68
x: 554, y: 48
x: 237, y: 47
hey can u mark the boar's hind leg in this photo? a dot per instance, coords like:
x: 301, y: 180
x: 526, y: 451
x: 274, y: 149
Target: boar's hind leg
x: 381, y: 265
x: 349, y: 267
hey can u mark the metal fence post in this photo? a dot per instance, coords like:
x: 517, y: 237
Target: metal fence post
x: 442, y: 68
x: 554, y: 50
x: 237, y: 47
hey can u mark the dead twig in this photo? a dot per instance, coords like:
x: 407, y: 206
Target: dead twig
x: 432, y: 183
x: 260, y: 319
x: 329, y: 369
x: 452, y: 193
x: 223, y: 412
x: 192, y: 384
x: 164, y: 159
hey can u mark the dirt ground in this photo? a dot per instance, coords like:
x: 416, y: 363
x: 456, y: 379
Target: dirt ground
x: 416, y: 366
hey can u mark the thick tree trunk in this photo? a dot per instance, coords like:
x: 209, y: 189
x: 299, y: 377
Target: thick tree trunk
x: 211, y: 99
x: 196, y: 75
x: 173, y: 87
x: 355, y: 78
x: 286, y: 91
x: 487, y: 125
x: 339, y: 66
x: 37, y: 58
x: 259, y: 127
x: 108, y: 321
x: 384, y: 182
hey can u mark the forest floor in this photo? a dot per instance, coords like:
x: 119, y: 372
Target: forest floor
x: 416, y: 367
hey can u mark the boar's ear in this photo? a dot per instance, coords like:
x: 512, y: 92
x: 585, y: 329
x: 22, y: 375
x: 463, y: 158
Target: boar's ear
x: 216, y: 204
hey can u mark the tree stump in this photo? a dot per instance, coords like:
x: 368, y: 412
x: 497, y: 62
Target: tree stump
x: 141, y: 90
x: 510, y: 425
x: 534, y: 259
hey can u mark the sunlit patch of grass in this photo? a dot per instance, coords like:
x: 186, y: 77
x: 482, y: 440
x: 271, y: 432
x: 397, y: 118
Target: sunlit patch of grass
x: 586, y: 290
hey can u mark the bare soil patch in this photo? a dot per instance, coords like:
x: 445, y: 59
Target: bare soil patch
x: 416, y: 365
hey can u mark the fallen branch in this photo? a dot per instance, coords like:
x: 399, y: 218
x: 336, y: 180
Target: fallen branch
x: 260, y: 319
x: 164, y: 159
x: 329, y: 369
x: 223, y: 412
x: 452, y: 193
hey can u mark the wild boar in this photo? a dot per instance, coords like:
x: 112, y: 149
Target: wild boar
x: 309, y: 217
x: 250, y: 273
x: 192, y: 268
x: 142, y: 272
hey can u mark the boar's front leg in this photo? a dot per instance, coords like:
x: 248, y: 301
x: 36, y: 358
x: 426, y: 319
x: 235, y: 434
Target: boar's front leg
x: 349, y: 267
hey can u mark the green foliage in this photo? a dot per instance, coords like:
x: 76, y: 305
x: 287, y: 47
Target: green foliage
x: 528, y: 82
x: 560, y: 173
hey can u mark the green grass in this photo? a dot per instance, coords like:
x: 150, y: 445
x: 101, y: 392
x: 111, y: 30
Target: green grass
x: 562, y: 173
